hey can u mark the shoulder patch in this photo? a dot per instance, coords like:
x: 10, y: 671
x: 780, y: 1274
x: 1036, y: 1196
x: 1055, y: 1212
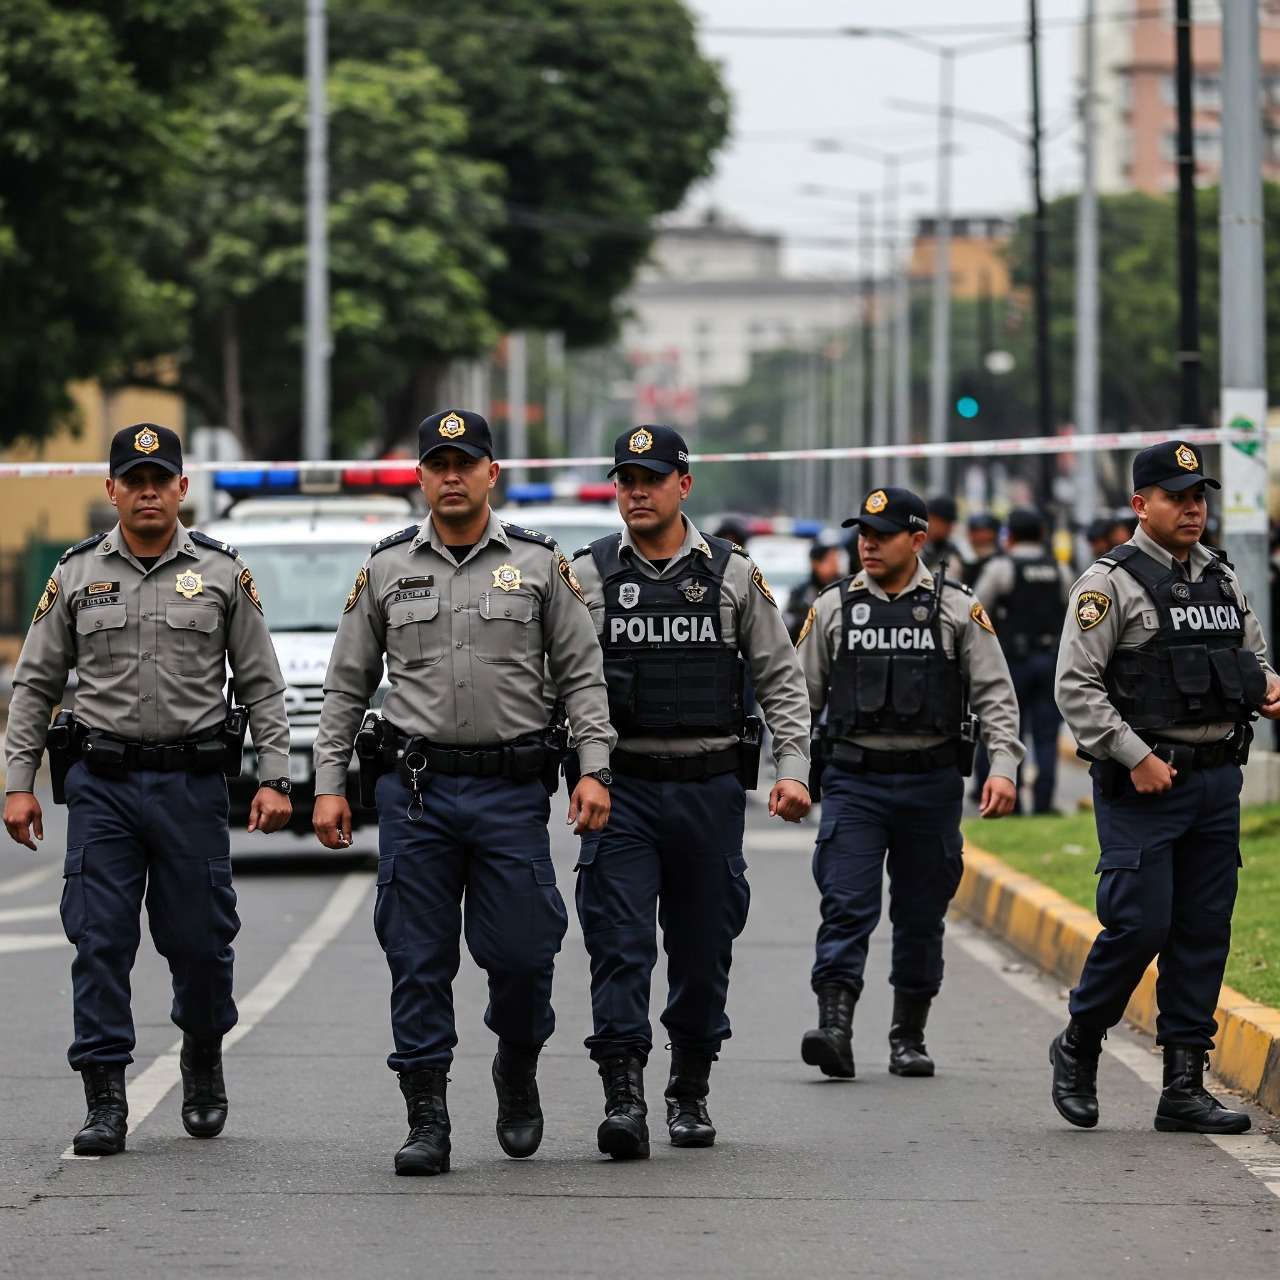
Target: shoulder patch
x: 362, y: 581
x: 391, y: 540
x: 979, y: 615
x: 203, y: 540
x: 570, y: 578
x: 250, y: 589
x: 761, y: 585
x: 809, y: 619
x: 91, y: 541
x: 529, y: 535
x: 48, y: 598
x: 1091, y: 608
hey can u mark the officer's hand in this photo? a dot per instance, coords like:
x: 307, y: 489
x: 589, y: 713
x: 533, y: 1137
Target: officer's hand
x: 331, y: 818
x: 23, y: 818
x: 999, y: 795
x: 269, y: 811
x: 789, y: 800
x: 589, y: 806
x: 1153, y: 776
x: 1271, y: 703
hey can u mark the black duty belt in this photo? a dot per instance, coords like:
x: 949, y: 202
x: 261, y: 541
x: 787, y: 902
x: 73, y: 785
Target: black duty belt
x: 1201, y: 755
x: 855, y: 759
x: 108, y: 755
x: 692, y: 768
x: 520, y: 759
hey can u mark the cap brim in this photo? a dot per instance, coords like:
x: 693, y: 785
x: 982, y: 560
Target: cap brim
x: 172, y: 468
x: 471, y: 450
x: 878, y: 523
x: 662, y: 468
x: 1180, y: 484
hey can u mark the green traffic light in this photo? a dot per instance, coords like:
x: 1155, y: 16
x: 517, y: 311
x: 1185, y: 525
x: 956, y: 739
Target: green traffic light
x: 967, y: 407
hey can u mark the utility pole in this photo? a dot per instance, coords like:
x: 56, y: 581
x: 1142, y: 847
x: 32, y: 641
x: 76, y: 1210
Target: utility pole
x: 1188, y: 250
x: 879, y: 294
x: 315, y: 404
x: 517, y: 397
x: 1086, y: 370
x: 1044, y: 369
x: 1243, y: 326
x: 940, y: 347
x: 901, y: 262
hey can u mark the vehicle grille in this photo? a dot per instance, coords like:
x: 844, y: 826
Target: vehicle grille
x: 303, y: 703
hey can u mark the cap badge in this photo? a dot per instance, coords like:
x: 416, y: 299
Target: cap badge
x: 146, y: 441
x: 506, y: 577
x: 628, y: 595
x: 694, y: 592
x: 876, y: 502
x: 1181, y: 591
x: 860, y: 614
x: 641, y: 441
x: 1091, y: 608
x: 1186, y: 458
x: 189, y: 584
x: 452, y: 427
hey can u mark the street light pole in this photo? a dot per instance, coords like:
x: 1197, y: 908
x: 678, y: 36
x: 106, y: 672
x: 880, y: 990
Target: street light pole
x: 315, y: 382
x: 1086, y: 361
x: 1188, y: 250
x: 1044, y: 369
x: 940, y: 353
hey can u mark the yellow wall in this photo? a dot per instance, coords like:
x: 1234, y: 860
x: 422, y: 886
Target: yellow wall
x: 970, y: 257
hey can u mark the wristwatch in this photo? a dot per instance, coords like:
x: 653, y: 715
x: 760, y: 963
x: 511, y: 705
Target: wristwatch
x: 282, y: 785
x: 603, y: 776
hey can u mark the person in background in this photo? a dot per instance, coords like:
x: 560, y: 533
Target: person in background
x: 984, y: 542
x: 826, y: 564
x: 938, y: 548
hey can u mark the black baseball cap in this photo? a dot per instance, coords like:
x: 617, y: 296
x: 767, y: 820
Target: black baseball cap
x: 944, y: 507
x: 145, y: 442
x: 660, y: 449
x: 455, y: 429
x: 891, y: 510
x: 1099, y: 527
x: 983, y: 520
x: 1174, y: 466
x: 1025, y: 524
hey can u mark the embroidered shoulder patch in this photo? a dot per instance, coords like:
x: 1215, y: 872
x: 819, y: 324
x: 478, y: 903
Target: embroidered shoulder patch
x: 362, y: 581
x: 570, y: 578
x: 250, y: 588
x: 758, y: 578
x: 809, y: 619
x: 48, y: 597
x: 979, y: 615
x: 1091, y: 608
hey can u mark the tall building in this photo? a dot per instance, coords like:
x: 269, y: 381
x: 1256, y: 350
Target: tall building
x: 1137, y: 106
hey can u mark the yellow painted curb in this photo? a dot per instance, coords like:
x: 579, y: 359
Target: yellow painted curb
x: 1056, y: 934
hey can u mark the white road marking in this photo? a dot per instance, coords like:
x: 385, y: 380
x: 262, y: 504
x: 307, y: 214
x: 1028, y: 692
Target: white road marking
x: 1255, y: 1151
x: 32, y: 942
x: 14, y: 915
x: 148, y: 1089
x: 19, y: 884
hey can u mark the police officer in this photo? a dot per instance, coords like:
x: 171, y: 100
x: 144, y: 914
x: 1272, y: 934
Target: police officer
x: 149, y: 614
x: 1026, y: 590
x: 1161, y: 668
x: 896, y: 659
x: 984, y: 541
x: 826, y: 564
x: 465, y: 607
x: 939, y: 548
x: 681, y: 618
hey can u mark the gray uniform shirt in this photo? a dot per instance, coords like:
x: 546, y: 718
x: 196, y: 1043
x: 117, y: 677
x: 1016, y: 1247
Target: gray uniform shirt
x: 150, y: 649
x: 966, y: 634
x: 465, y: 646
x: 1130, y: 622
x: 997, y: 578
x: 750, y: 619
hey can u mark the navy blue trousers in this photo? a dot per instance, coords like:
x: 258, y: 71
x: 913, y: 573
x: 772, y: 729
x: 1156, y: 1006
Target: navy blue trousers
x: 477, y: 861
x: 1166, y: 889
x: 162, y: 835
x: 674, y: 848
x: 911, y: 823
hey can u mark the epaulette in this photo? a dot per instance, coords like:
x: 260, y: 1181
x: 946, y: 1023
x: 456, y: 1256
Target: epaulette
x: 581, y: 551
x: 203, y: 540
x: 1221, y: 556
x: 394, y: 539
x: 91, y: 541
x: 739, y: 550
x: 529, y: 535
x: 959, y: 586
x: 837, y: 585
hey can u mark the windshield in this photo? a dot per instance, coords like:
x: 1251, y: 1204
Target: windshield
x: 572, y: 537
x: 304, y: 586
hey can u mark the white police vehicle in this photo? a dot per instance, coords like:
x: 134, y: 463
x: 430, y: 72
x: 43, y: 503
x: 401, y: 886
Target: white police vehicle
x: 573, y: 514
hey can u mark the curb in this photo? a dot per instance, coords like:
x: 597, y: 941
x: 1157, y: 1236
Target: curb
x: 1056, y: 934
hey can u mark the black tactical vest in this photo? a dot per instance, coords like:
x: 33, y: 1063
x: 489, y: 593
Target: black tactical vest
x: 892, y: 674
x: 668, y: 667
x: 1196, y: 669
x: 1029, y: 619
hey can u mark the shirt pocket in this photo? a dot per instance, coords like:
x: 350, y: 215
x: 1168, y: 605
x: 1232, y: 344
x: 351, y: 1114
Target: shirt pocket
x: 191, y: 642
x: 415, y: 634
x: 100, y: 639
x: 508, y: 629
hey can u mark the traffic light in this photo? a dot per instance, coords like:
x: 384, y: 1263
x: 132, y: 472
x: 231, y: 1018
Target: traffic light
x: 968, y: 407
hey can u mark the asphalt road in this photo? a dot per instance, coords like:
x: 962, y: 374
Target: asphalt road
x: 969, y: 1174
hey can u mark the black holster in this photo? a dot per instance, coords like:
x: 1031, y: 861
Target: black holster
x: 967, y: 746
x: 556, y: 740
x: 375, y: 750
x: 817, y: 763
x: 63, y: 745
x: 749, y: 753
x: 229, y: 744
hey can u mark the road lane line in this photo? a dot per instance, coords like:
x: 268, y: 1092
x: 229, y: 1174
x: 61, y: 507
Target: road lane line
x: 14, y: 915
x: 148, y: 1089
x: 1255, y: 1151
x: 32, y: 942
x: 28, y: 879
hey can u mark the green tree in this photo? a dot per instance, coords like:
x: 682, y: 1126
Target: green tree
x: 88, y: 93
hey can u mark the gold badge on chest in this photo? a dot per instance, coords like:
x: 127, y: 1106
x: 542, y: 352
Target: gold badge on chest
x: 189, y: 584
x: 506, y: 577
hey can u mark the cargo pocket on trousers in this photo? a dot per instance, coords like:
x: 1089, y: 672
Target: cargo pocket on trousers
x: 544, y: 872
x: 1120, y: 857
x: 587, y: 851
x: 737, y: 865
x: 72, y: 909
x: 387, y: 925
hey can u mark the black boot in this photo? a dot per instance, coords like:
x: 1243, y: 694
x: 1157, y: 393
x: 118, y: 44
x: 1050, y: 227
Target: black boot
x: 519, y: 1108
x: 426, y: 1149
x: 107, y: 1121
x: 830, y: 1047
x: 623, y: 1133
x: 1074, y: 1055
x: 907, y: 1054
x: 1186, y: 1106
x: 204, y: 1095
x: 687, y: 1116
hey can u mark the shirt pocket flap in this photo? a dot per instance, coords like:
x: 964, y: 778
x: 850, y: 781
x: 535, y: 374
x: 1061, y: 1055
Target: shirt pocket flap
x: 103, y: 617
x: 512, y: 608
x: 192, y: 617
x: 402, y: 613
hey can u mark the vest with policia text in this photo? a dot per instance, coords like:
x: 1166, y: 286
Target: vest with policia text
x: 1196, y: 669
x: 666, y: 662
x: 1029, y: 619
x: 892, y: 674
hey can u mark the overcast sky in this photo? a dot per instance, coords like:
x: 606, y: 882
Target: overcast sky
x: 787, y: 92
